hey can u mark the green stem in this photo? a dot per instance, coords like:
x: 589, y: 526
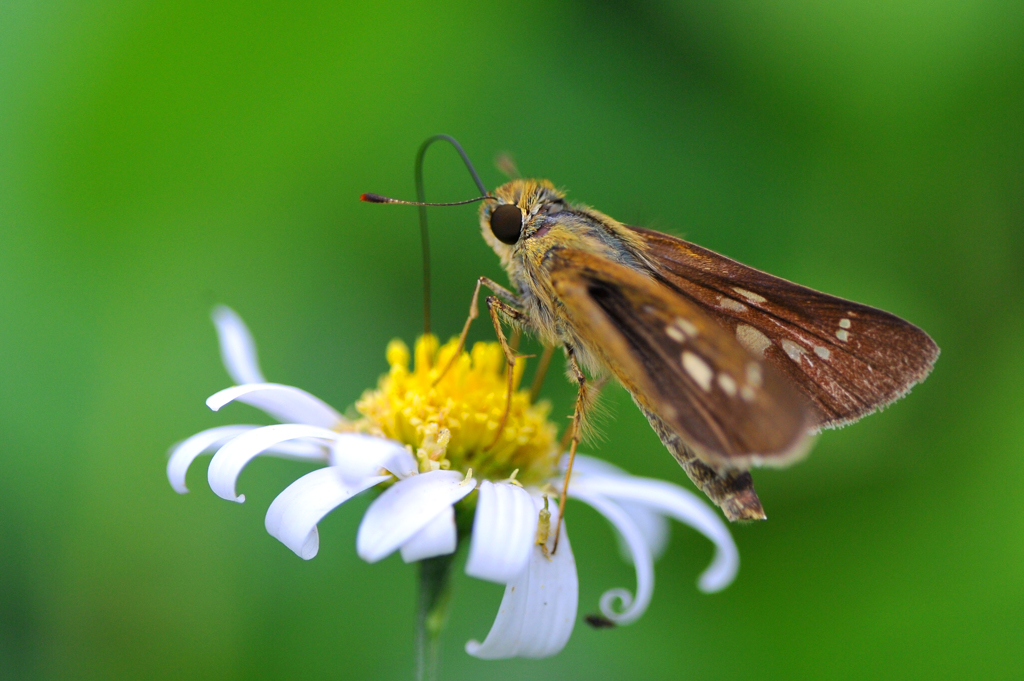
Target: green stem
x: 432, y: 612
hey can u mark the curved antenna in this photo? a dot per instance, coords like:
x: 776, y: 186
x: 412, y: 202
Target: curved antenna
x: 421, y: 196
x: 465, y: 159
x: 422, y: 203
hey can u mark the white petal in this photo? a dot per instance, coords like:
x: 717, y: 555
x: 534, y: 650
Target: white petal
x: 678, y: 503
x: 504, y: 532
x: 230, y: 459
x: 184, y: 453
x: 359, y: 455
x: 300, y: 450
x: 406, y: 508
x: 590, y: 465
x: 653, y: 525
x: 538, y: 610
x: 438, y: 538
x: 284, y: 402
x: 630, y: 609
x: 237, y: 349
x: 294, y: 515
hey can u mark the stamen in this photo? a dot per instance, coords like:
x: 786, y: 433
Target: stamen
x: 512, y: 479
x: 451, y: 425
x: 544, y: 528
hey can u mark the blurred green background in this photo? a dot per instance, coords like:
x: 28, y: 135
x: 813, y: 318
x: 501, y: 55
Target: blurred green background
x: 159, y: 158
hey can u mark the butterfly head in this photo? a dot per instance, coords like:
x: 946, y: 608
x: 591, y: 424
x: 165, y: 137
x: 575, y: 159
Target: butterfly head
x: 529, y: 219
x: 521, y: 212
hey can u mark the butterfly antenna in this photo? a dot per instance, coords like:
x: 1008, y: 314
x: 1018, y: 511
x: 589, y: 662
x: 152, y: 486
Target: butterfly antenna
x: 377, y: 198
x: 422, y: 203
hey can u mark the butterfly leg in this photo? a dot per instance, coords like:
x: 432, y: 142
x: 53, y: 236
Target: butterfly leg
x: 473, y: 314
x: 498, y: 310
x: 594, y: 389
x: 577, y: 418
x: 732, y: 490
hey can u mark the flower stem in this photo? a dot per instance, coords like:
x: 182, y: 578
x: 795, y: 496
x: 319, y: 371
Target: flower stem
x: 432, y: 612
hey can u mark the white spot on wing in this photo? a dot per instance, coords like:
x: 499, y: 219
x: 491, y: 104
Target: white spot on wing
x: 753, y: 340
x: 844, y: 323
x: 754, y: 376
x: 793, y: 350
x: 750, y: 295
x: 822, y: 352
x: 747, y: 393
x: 728, y: 385
x: 731, y: 305
x: 673, y: 332
x: 843, y: 335
x: 698, y: 369
x: 686, y: 326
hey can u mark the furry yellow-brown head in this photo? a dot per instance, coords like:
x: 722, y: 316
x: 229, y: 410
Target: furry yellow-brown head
x: 531, y: 217
x: 518, y: 214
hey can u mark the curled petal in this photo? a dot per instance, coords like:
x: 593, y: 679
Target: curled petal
x: 405, y: 509
x: 674, y: 502
x: 293, y: 516
x: 538, y: 610
x: 230, y: 459
x: 631, y: 608
x: 284, y: 402
x: 358, y: 455
x: 653, y: 525
x: 504, y: 531
x: 237, y: 349
x: 184, y: 453
x: 438, y: 538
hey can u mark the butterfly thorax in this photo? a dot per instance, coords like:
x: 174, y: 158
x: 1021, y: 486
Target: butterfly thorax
x: 550, y: 223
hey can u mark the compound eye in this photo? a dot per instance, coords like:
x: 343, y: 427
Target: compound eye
x: 507, y: 223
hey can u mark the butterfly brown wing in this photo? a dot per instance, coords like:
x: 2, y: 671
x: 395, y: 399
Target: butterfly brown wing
x: 733, y: 409
x: 848, y: 359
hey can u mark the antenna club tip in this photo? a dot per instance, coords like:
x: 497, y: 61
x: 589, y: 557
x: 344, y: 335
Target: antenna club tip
x: 373, y: 198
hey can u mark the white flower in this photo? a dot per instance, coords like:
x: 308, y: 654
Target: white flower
x: 415, y: 514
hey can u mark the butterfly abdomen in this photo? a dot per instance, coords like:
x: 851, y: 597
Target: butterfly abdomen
x: 732, y: 491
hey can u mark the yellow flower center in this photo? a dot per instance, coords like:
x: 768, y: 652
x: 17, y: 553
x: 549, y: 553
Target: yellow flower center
x: 453, y: 424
